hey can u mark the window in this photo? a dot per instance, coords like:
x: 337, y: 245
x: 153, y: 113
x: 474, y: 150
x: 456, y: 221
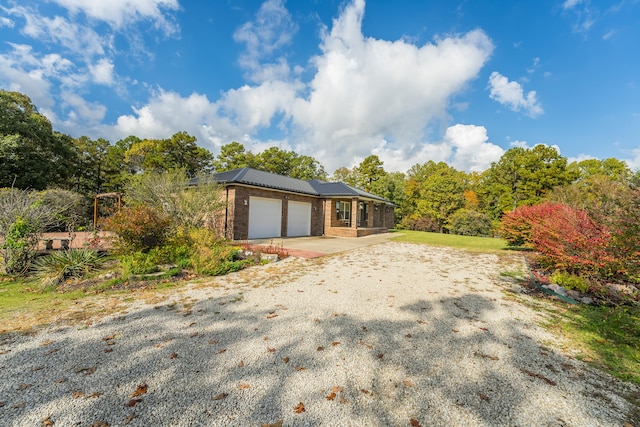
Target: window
x: 344, y: 210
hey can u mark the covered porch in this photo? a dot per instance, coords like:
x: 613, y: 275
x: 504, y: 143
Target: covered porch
x: 357, y: 217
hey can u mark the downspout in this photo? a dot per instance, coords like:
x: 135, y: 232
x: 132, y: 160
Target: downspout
x: 226, y: 213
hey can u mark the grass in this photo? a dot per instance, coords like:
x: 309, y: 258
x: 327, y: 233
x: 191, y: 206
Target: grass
x: 474, y: 244
x: 607, y: 337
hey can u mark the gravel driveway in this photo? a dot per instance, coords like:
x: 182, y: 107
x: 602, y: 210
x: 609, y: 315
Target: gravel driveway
x: 388, y: 335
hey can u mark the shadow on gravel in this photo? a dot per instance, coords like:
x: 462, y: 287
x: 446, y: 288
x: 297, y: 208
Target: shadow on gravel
x: 226, y: 361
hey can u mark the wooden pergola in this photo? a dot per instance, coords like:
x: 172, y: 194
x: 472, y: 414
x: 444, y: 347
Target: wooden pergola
x: 117, y: 196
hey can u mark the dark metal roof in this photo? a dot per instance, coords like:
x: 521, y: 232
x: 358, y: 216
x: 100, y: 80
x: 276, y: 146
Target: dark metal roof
x: 254, y: 177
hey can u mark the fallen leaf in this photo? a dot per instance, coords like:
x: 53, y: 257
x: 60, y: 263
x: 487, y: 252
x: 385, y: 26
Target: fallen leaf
x: 133, y: 402
x: 221, y: 351
x: 365, y: 391
x: 300, y: 368
x: 542, y: 377
x: 37, y: 368
x: 337, y: 389
x: 24, y: 386
x: 213, y: 342
x: 129, y: 419
x: 19, y: 405
x: 316, y: 320
x: 484, y: 397
x: 365, y: 344
x: 342, y: 400
x: 455, y: 330
x: 77, y: 394
x: 380, y: 355
x: 286, y: 359
x: 94, y: 395
x: 53, y: 350
x: 99, y: 424
x: 173, y: 355
x: 108, y: 350
x: 87, y: 371
x: 47, y: 422
x: 46, y: 343
x: 271, y: 349
x: 276, y: 424
x: 364, y: 328
x: 4, y: 351
x: 271, y: 316
x: 266, y: 338
x: 331, y: 396
x: 114, y: 336
x: 320, y: 348
x: 299, y: 408
x: 220, y: 396
x: 422, y: 322
x: 1, y: 404
x: 484, y: 329
x: 240, y: 364
x: 414, y: 423
x: 142, y: 389
x: 243, y: 386
x: 335, y: 343
x: 407, y: 383
x: 485, y: 356
x: 191, y: 324
x: 193, y: 335
x: 408, y: 335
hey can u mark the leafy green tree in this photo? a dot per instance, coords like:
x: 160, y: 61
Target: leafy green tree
x: 234, y: 156
x: 368, y: 172
x: 435, y: 190
x: 469, y: 222
x: 116, y: 169
x: 611, y: 168
x: 391, y: 187
x: 32, y: 155
x: 290, y: 163
x: 522, y: 176
x: 178, y: 152
x: 90, y: 171
x: 346, y: 175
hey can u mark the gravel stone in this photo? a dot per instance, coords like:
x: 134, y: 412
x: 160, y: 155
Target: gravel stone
x: 408, y: 332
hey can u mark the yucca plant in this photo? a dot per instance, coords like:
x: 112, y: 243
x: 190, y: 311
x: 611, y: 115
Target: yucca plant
x: 60, y: 265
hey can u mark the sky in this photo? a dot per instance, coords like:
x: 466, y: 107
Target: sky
x: 409, y: 80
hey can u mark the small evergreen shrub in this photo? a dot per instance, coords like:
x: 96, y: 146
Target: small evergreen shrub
x: 467, y: 222
x: 569, y: 281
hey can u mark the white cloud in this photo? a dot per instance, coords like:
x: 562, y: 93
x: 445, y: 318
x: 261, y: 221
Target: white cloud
x: 570, y: 4
x: 102, y: 72
x: 511, y: 94
x: 634, y: 162
x: 367, y: 96
x: 92, y: 112
x: 471, y: 150
x: 119, y: 13
x: 6, y: 22
x: 272, y: 29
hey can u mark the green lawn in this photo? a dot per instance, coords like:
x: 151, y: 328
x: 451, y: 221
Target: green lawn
x: 477, y: 244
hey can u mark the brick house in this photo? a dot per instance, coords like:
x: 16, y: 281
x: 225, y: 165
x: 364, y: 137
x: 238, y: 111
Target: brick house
x: 262, y: 204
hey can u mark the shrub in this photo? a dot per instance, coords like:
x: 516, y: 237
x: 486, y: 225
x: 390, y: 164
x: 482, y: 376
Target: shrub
x: 60, y: 265
x: 468, y: 222
x: 425, y: 223
x: 138, y: 228
x: 515, y: 227
x: 217, y: 260
x: 570, y: 281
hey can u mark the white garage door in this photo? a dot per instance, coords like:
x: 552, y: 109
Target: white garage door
x: 299, y: 219
x: 265, y: 217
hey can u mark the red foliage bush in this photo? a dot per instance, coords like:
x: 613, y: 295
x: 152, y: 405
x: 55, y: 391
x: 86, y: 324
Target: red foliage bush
x: 516, y: 226
x: 139, y: 228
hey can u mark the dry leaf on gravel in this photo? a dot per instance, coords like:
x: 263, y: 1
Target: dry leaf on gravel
x: 86, y: 371
x: 271, y: 349
x: 407, y: 383
x: 276, y: 424
x: 320, y: 348
x: 173, y: 355
x: 47, y: 422
x: 220, y: 396
x: 337, y: 389
x: 129, y: 419
x: 365, y: 344
x: 213, y: 342
x: 414, y: 423
x: 142, y: 389
x: 24, y: 386
x: 221, y: 351
x: 133, y: 402
x: 331, y: 396
x: 365, y: 391
x: 485, y: 356
x: 46, y: 343
x: 100, y: 424
x: 299, y: 408
x: 484, y: 397
x: 108, y: 350
x: 77, y: 394
x: 94, y: 395
x: 542, y: 377
x: 271, y: 316
x: 243, y: 386
x: 408, y: 336
x: 455, y: 330
x: 286, y: 359
x: 60, y: 380
x: 335, y: 343
x: 2, y: 404
x: 19, y: 405
x: 300, y: 368
x: 240, y: 364
x: 380, y: 355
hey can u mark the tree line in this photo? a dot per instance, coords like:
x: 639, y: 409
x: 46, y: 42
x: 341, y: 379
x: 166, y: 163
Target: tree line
x: 432, y: 196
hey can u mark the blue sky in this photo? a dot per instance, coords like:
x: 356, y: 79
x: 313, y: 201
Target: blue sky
x: 409, y: 80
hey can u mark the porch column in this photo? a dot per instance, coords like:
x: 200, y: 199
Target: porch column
x: 370, y: 211
x: 354, y: 213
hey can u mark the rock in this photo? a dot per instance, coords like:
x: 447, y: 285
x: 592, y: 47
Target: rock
x: 270, y: 257
x: 586, y: 300
x: 574, y: 294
